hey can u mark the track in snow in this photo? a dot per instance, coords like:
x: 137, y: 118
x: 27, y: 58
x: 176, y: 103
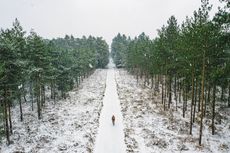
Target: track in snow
x: 110, y: 139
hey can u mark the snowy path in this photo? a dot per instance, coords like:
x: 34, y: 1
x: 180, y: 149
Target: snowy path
x: 110, y: 139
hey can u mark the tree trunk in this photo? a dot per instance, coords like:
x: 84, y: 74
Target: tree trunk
x: 38, y: 91
x: 186, y: 97
x: 179, y: 84
x: 192, y: 103
x: 24, y: 92
x: 9, y: 112
x: 209, y: 90
x: 165, y: 94
x: 162, y: 91
x: 194, y: 111
x: 199, y: 98
x: 6, y: 117
x: 38, y: 107
x: 20, y: 106
x: 32, y: 95
x: 213, y: 109
x: 170, y: 91
x: 222, y: 94
x: 51, y: 90
x: 151, y: 81
x: 202, y: 101
x: 175, y: 91
x: 43, y: 97
x: 228, y: 94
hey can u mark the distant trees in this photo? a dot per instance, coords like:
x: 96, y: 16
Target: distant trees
x: 189, y: 62
x: 118, y: 48
x: 31, y: 65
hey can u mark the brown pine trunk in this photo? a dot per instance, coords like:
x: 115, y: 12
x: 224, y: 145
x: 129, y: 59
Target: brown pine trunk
x: 51, y: 90
x: 209, y: 90
x: 32, y: 95
x: 199, y: 97
x: 175, y: 91
x: 202, y: 100
x: 9, y: 115
x: 192, y: 103
x: 162, y: 91
x: 6, y: 117
x: 213, y: 109
x: 179, y: 92
x: 170, y: 91
x: 228, y: 94
x: 38, y: 91
x: 20, y: 106
x: 222, y: 94
x: 24, y: 92
x: 38, y: 107
x: 165, y: 94
x: 194, y: 111
x: 184, y: 96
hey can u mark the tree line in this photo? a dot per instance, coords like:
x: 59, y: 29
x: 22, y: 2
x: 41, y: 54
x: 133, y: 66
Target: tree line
x: 31, y: 66
x: 188, y: 62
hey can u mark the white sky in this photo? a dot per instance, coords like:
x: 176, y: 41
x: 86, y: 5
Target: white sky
x: 55, y: 18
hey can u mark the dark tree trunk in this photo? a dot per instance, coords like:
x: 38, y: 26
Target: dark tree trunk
x: 175, y: 91
x: 192, y: 103
x: 165, y: 94
x: 24, y: 92
x: 43, y: 97
x: 32, y: 95
x: 209, y: 90
x: 213, y: 109
x: 51, y: 90
x: 6, y: 117
x: 199, y: 98
x: 38, y: 91
x: 20, y: 106
x: 170, y: 91
x: 151, y: 81
x: 186, y: 97
x: 9, y: 113
x: 180, y: 92
x: 228, y: 94
x: 38, y: 107
x: 162, y: 91
x: 222, y: 94
x: 195, y: 100
x: 202, y: 100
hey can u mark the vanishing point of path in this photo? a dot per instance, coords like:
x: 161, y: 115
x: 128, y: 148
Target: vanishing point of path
x: 110, y: 139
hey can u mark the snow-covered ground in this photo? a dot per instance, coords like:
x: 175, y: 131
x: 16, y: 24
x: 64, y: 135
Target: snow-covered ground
x: 110, y: 139
x: 71, y: 125
x: 68, y: 126
x: 148, y: 129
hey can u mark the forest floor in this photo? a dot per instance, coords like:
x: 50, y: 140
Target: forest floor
x: 68, y: 126
x: 149, y: 129
x: 72, y: 125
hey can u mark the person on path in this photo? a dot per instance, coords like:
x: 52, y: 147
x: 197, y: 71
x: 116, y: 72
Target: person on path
x: 113, y: 120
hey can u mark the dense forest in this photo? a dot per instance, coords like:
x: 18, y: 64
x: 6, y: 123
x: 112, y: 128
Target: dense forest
x: 187, y: 64
x: 31, y: 67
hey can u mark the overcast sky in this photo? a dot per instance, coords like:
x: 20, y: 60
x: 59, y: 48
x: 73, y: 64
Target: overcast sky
x: 55, y: 18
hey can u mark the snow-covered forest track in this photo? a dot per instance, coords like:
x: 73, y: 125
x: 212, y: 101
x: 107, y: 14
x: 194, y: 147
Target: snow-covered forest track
x: 68, y: 126
x: 110, y: 137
